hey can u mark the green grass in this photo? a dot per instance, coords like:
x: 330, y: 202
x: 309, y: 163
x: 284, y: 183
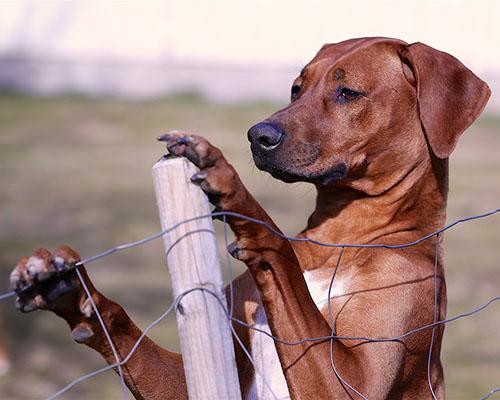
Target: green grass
x: 77, y: 170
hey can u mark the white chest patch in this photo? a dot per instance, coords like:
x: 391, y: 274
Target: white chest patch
x: 269, y: 381
x: 319, y: 287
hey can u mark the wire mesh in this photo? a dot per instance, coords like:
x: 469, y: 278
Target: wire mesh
x: 228, y: 309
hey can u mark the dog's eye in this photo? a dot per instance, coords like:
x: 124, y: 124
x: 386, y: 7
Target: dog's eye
x: 345, y: 95
x: 295, y: 92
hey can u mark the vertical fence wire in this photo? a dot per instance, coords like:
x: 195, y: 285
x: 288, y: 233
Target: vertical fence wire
x: 106, y: 333
x: 436, y: 317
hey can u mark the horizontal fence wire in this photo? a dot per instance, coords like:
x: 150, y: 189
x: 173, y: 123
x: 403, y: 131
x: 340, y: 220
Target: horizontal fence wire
x: 228, y: 309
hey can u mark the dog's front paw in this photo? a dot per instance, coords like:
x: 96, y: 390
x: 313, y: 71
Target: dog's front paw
x: 217, y: 178
x: 43, y: 280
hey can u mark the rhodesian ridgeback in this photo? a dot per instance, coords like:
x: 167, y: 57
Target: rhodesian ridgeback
x: 371, y: 124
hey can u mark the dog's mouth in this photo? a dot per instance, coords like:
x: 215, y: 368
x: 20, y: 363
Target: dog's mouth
x: 323, y: 178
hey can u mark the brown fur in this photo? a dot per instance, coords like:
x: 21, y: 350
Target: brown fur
x: 379, y: 163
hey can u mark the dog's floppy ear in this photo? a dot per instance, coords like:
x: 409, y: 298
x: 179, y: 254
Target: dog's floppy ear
x: 450, y: 97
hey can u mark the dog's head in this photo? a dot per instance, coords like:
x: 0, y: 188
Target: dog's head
x: 368, y: 107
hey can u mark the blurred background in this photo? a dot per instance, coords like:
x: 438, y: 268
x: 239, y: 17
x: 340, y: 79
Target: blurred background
x: 85, y: 87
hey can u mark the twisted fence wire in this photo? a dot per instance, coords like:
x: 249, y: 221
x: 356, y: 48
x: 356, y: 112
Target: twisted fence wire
x: 229, y: 310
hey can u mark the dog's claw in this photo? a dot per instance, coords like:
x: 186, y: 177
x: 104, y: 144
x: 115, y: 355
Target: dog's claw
x: 184, y: 140
x: 26, y: 307
x: 199, y: 177
x: 178, y: 137
x: 166, y: 137
x: 234, y: 249
x: 59, y: 263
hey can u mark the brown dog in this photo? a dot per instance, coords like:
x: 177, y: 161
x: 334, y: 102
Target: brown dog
x: 371, y: 124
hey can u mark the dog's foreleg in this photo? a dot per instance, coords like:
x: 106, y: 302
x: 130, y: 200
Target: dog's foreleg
x: 150, y: 372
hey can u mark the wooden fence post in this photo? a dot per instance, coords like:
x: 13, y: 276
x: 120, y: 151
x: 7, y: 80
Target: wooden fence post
x: 204, y: 331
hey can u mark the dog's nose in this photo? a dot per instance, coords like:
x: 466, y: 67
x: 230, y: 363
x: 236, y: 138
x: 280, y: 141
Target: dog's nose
x: 265, y: 135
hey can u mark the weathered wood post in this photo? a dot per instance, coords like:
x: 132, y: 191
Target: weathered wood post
x: 204, y: 331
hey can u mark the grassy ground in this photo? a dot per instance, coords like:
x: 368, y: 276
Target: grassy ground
x: 77, y: 171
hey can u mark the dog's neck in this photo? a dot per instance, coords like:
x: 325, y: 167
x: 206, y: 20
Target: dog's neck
x: 408, y: 209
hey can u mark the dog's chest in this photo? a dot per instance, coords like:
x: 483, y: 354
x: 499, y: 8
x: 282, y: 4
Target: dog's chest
x: 268, y: 381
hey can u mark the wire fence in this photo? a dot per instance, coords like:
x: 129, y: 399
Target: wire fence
x: 228, y: 308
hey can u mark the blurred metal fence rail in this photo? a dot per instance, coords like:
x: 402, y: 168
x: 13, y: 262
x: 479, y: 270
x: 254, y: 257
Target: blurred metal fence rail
x: 223, y: 215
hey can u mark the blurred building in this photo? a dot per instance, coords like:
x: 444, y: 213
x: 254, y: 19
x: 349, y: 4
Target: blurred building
x: 227, y: 51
